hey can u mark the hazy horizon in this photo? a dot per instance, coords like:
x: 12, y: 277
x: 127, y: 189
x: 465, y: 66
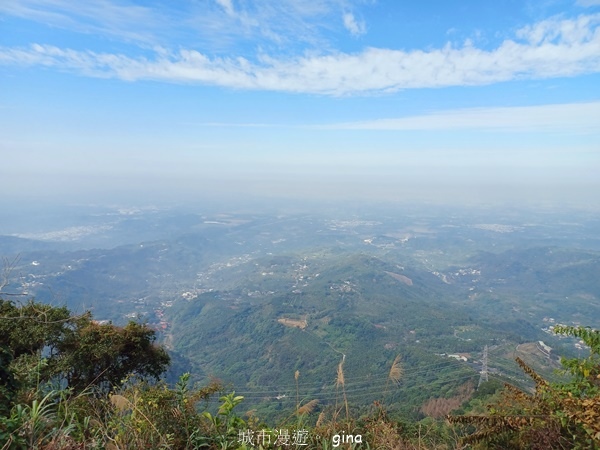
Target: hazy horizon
x: 458, y: 103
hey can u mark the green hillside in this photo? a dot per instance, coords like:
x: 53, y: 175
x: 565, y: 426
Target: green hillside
x: 352, y: 306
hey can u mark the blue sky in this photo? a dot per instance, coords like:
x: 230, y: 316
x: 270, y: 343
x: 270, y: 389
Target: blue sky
x: 454, y: 100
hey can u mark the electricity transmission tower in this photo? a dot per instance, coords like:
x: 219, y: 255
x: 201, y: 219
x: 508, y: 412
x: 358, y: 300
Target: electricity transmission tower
x: 483, y: 375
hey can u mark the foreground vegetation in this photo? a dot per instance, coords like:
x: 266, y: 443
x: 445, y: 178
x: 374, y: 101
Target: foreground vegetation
x: 67, y: 382
x: 554, y: 416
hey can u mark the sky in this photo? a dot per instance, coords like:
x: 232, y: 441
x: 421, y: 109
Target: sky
x: 437, y: 100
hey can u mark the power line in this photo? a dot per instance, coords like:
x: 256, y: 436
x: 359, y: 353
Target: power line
x: 373, y: 391
x: 357, y: 387
x: 382, y: 379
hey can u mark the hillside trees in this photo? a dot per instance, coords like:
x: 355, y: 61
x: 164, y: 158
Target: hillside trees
x: 32, y: 327
x: 8, y: 385
x: 106, y: 354
x: 72, y: 349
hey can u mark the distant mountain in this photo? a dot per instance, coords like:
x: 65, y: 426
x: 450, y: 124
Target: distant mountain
x: 554, y: 269
x: 539, y: 282
x: 12, y: 246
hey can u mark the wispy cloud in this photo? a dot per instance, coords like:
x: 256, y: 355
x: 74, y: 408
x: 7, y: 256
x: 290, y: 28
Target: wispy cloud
x: 287, y: 23
x: 214, y: 23
x: 570, y: 117
x: 551, y: 48
x: 588, y: 3
x: 352, y: 25
x: 227, y: 6
x: 124, y: 21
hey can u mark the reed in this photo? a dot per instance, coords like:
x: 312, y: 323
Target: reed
x: 307, y: 408
x: 341, y: 382
x: 394, y: 375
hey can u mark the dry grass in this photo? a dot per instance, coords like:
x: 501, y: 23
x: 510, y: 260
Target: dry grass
x: 120, y: 403
x: 396, y: 371
x: 340, y: 375
x: 340, y: 381
x: 308, y: 407
x: 441, y: 407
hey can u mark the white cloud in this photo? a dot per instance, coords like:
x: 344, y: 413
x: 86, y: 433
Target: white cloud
x: 552, y: 48
x: 555, y: 30
x: 571, y: 117
x: 352, y: 25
